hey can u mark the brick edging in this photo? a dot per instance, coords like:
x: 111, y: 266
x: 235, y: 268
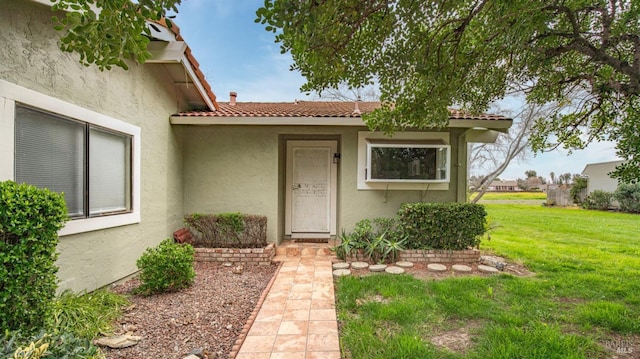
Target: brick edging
x: 252, y: 318
x: 261, y: 256
x: 440, y: 255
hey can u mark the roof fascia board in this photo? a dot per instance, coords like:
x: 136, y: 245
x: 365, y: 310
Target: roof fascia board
x: 163, y: 52
x: 196, y: 82
x: 496, y: 125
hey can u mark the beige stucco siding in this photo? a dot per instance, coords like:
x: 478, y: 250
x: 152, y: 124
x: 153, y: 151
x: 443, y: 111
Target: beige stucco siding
x: 598, y: 176
x: 241, y: 169
x: 142, y: 96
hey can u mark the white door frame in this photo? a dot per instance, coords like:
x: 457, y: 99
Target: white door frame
x: 333, y: 168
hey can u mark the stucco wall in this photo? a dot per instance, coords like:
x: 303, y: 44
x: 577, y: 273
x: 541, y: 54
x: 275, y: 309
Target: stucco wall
x: 143, y: 96
x: 241, y: 169
x: 598, y: 176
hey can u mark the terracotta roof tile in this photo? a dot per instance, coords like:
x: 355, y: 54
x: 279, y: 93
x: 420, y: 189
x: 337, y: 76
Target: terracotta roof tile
x: 311, y: 109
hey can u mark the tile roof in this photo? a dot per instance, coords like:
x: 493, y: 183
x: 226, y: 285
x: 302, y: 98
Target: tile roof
x: 311, y: 109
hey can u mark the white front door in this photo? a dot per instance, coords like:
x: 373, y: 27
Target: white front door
x: 311, y: 193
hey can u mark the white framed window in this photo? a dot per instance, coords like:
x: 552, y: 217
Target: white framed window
x: 407, y: 162
x: 90, y: 157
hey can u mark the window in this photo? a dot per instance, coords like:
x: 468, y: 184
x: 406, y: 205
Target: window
x: 89, y: 164
x: 91, y: 157
x: 406, y: 161
x: 411, y: 162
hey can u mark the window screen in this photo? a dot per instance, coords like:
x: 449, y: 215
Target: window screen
x: 50, y: 154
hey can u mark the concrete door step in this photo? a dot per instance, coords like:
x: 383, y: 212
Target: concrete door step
x: 293, y: 248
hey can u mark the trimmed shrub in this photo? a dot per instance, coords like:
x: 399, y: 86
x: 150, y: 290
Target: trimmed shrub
x: 29, y: 222
x: 628, y: 196
x: 167, y: 267
x: 600, y: 200
x: 442, y: 225
x: 227, y: 230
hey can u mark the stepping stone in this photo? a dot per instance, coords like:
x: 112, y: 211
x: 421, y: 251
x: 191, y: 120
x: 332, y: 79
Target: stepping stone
x: 394, y: 270
x: 341, y: 272
x: 461, y: 268
x: 359, y: 265
x: 378, y: 267
x: 341, y: 265
x: 404, y: 264
x: 436, y: 267
x: 486, y: 269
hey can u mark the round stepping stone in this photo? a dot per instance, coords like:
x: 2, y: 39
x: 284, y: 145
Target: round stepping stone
x: 394, y: 270
x: 341, y: 265
x: 436, y: 267
x: 377, y: 267
x: 403, y: 264
x: 486, y: 269
x: 461, y: 268
x: 341, y: 272
x: 359, y: 265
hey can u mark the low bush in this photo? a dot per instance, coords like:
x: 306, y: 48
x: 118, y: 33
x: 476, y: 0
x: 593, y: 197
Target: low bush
x: 167, y: 267
x: 59, y: 345
x: 628, y: 196
x: 30, y: 218
x: 227, y: 230
x: 599, y: 200
x: 451, y: 226
x: 376, y: 241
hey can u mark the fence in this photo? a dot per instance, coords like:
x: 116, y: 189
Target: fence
x: 562, y: 196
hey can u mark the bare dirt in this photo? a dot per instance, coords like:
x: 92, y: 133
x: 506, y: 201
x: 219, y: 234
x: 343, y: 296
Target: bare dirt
x: 208, y: 315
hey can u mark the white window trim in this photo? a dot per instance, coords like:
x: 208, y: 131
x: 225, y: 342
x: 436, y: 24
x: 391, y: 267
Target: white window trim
x: 11, y: 93
x: 363, y: 140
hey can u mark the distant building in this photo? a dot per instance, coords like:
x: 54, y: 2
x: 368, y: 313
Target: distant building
x: 598, y: 176
x: 503, y: 186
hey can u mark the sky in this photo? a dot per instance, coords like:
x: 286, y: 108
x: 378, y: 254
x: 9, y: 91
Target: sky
x: 236, y: 54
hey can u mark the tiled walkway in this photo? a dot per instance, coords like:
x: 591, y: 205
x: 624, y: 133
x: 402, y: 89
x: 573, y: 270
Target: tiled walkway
x: 298, y: 316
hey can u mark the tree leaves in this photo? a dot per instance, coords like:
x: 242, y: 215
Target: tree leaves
x: 109, y: 33
x: 428, y: 55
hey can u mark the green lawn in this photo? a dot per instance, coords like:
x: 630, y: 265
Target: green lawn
x: 584, y: 297
x: 511, y: 196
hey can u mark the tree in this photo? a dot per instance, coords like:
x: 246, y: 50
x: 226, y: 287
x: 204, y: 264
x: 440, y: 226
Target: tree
x: 530, y: 174
x: 108, y: 32
x: 493, y: 158
x: 428, y: 55
x: 553, y: 177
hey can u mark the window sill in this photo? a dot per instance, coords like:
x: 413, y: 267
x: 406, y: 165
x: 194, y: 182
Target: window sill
x: 98, y: 223
x: 368, y: 185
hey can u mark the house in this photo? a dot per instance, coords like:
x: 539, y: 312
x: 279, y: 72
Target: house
x: 598, y: 176
x: 161, y: 146
x: 503, y: 186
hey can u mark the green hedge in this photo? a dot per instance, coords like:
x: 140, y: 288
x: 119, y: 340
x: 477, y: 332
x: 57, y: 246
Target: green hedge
x: 628, y: 196
x: 227, y: 230
x: 442, y: 225
x: 29, y: 222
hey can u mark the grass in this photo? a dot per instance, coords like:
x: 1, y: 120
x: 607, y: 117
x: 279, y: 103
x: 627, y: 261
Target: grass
x: 586, y: 292
x: 514, y: 196
x: 87, y: 315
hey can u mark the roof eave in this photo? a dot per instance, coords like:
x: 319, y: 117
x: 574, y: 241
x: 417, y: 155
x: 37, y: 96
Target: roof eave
x: 501, y: 125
